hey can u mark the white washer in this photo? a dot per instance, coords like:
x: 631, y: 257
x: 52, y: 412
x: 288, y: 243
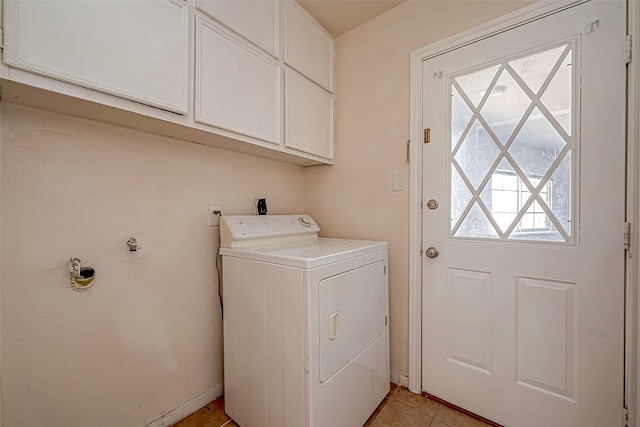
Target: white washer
x: 306, y: 335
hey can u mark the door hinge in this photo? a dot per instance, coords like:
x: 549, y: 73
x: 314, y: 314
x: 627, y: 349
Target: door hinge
x: 627, y: 48
x: 427, y: 135
x: 625, y: 416
x: 627, y: 236
x: 385, y: 270
x: 408, y: 151
x: 1, y: 38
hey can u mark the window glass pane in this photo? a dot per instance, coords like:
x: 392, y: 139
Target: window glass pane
x: 475, y: 84
x: 460, y: 116
x: 557, y: 97
x: 531, y: 145
x: 476, y: 224
x: 560, y: 193
x: 537, y: 145
x: 504, y: 204
x: 535, y: 69
x: 476, y: 154
x: 535, y: 225
x: 461, y: 196
x: 505, y: 107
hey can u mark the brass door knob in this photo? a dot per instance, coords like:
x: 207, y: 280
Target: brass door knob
x: 433, y: 204
x: 432, y: 252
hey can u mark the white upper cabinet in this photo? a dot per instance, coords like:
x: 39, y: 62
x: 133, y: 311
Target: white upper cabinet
x: 137, y: 50
x: 308, y: 48
x: 237, y: 86
x: 308, y: 117
x: 253, y: 76
x: 256, y: 20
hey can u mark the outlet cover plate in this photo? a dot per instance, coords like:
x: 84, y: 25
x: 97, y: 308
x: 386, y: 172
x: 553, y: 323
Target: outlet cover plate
x: 214, y: 218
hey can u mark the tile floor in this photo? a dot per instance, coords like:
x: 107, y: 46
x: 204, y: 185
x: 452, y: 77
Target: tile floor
x: 400, y: 408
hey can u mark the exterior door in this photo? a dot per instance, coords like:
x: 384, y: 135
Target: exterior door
x: 524, y: 201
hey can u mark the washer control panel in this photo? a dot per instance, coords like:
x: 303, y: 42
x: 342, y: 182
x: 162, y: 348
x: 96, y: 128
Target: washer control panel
x: 256, y: 230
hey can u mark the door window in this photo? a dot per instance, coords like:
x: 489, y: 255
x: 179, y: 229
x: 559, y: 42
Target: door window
x: 512, y: 139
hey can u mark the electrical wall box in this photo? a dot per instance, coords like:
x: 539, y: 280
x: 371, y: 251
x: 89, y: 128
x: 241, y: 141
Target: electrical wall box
x: 214, y: 215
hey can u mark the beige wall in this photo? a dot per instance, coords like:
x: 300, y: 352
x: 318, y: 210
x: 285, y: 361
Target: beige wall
x: 1, y: 417
x: 354, y: 198
x: 1, y: 315
x: 147, y: 337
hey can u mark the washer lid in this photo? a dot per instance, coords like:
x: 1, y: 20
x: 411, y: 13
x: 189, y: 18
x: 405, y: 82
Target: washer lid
x: 321, y: 252
x: 238, y: 231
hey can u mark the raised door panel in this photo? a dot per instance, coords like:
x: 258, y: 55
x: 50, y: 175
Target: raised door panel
x: 237, y: 88
x: 110, y: 46
x: 307, y: 47
x: 256, y: 20
x: 308, y: 117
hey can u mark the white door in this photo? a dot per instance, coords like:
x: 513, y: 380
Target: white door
x: 523, y: 305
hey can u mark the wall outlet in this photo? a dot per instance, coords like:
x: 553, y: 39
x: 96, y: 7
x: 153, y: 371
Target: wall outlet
x: 214, y: 215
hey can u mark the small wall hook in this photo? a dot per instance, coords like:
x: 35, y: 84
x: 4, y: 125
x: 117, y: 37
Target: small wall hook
x: 133, y: 244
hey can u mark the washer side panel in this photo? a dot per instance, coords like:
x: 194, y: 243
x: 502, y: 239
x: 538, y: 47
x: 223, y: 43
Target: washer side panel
x: 264, y: 345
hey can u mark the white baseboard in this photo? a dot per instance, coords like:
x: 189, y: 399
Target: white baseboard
x: 187, y: 408
x: 399, y: 379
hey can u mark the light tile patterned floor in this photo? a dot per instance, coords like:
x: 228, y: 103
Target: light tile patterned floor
x: 400, y: 408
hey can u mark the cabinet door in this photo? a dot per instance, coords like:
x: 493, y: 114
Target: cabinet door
x: 132, y: 49
x: 237, y: 88
x: 256, y: 20
x: 308, y: 117
x: 307, y: 47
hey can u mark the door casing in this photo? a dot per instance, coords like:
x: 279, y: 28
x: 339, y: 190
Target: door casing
x: 632, y: 295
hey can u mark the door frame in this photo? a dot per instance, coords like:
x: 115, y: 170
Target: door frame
x: 632, y: 264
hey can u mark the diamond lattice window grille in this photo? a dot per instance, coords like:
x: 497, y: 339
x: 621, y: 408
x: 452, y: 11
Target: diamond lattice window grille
x: 511, y: 148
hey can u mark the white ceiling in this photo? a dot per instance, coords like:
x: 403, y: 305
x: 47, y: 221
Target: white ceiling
x: 340, y: 16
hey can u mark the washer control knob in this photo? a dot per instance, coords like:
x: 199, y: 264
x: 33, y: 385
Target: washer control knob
x: 304, y: 221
